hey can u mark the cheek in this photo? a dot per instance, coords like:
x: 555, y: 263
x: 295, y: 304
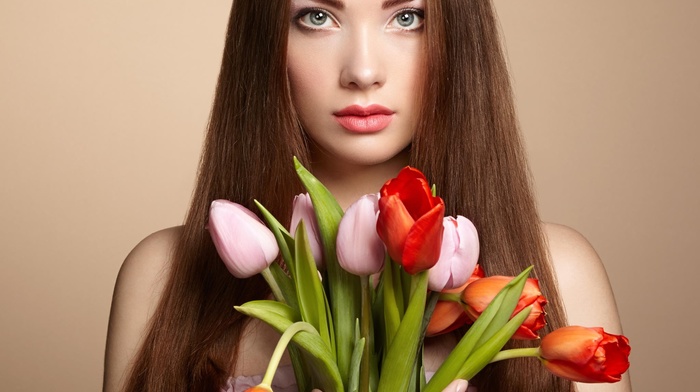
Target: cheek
x: 308, y: 68
x: 300, y: 76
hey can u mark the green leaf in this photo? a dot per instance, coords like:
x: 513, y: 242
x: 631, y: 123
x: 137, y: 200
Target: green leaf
x: 401, y: 357
x: 273, y: 307
x: 514, y: 290
x: 483, y: 355
x: 356, y: 360
x: 320, y: 360
x: 286, y: 285
x: 284, y: 239
x: 344, y: 293
x: 310, y: 294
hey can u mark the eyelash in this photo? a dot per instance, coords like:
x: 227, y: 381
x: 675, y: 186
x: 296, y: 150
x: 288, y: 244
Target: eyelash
x: 308, y: 11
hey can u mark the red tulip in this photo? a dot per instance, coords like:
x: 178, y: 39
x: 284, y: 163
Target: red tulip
x: 243, y: 242
x: 410, y: 221
x: 303, y: 209
x: 360, y: 250
x: 479, y: 294
x: 458, y: 254
x: 585, y: 354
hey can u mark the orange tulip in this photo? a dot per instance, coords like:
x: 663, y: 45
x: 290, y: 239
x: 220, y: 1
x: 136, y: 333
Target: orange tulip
x: 447, y: 316
x: 259, y: 388
x: 585, y: 354
x: 479, y: 294
x: 450, y: 315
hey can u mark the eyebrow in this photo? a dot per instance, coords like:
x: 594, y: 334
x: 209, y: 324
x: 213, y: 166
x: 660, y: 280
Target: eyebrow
x: 393, y: 3
x: 340, y: 5
x: 332, y: 3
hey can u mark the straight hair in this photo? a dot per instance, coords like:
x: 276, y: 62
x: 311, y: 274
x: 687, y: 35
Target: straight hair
x: 467, y: 143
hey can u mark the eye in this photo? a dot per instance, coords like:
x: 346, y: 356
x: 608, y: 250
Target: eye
x: 316, y: 19
x: 410, y: 19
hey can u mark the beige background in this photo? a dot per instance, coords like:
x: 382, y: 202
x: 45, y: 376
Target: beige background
x: 103, y: 104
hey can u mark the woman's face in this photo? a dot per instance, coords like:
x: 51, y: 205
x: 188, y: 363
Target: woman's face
x: 356, y: 69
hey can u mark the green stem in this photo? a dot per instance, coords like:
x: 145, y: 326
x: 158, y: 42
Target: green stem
x: 270, y: 279
x: 281, y: 346
x: 392, y: 317
x: 516, y: 353
x: 451, y: 297
x: 365, y: 322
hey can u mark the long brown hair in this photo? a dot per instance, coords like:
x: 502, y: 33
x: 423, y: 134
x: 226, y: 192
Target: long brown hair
x: 467, y: 143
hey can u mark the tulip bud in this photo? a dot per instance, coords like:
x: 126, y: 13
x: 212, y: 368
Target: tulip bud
x: 585, y: 354
x: 243, y: 242
x: 303, y: 209
x: 359, y: 248
x: 479, y: 294
x: 458, y: 254
x: 410, y: 221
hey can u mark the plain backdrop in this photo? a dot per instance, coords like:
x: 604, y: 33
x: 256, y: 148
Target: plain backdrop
x: 103, y: 106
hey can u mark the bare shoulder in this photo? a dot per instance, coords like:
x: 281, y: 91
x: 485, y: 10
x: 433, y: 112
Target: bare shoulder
x: 136, y: 294
x: 149, y: 259
x: 583, y: 281
x: 585, y: 289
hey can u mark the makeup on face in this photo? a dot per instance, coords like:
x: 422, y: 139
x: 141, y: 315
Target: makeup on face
x: 359, y: 119
x: 356, y: 70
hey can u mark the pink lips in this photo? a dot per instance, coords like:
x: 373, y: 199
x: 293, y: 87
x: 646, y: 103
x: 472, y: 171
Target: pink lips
x: 361, y: 119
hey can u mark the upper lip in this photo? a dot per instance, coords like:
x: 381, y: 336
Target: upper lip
x: 357, y: 110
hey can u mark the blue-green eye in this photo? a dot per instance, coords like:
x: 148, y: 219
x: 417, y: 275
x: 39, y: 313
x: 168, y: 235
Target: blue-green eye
x: 408, y: 20
x: 316, y: 19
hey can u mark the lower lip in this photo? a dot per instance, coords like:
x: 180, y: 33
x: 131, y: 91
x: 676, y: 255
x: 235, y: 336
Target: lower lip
x: 365, y: 124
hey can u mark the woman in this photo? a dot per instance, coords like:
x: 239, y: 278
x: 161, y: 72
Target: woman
x: 355, y: 89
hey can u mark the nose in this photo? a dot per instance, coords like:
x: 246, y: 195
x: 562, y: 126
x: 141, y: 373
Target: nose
x: 363, y: 66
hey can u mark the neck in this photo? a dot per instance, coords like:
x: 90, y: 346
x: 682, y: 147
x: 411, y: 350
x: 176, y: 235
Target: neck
x: 348, y: 182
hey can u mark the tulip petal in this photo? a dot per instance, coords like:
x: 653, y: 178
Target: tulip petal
x: 422, y: 248
x: 394, y: 225
x: 303, y: 209
x: 440, y: 274
x: 458, y: 254
x: 360, y: 250
x: 411, y: 186
x: 467, y: 253
x: 446, y: 317
x: 573, y: 344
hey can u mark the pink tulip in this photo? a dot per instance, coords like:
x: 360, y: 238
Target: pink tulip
x: 358, y: 246
x: 458, y: 254
x: 244, y: 243
x: 303, y: 209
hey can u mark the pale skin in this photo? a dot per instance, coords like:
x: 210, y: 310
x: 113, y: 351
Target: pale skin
x: 371, y: 55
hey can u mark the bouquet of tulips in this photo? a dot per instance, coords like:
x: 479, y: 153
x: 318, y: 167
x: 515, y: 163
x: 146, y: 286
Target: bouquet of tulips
x: 362, y: 289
